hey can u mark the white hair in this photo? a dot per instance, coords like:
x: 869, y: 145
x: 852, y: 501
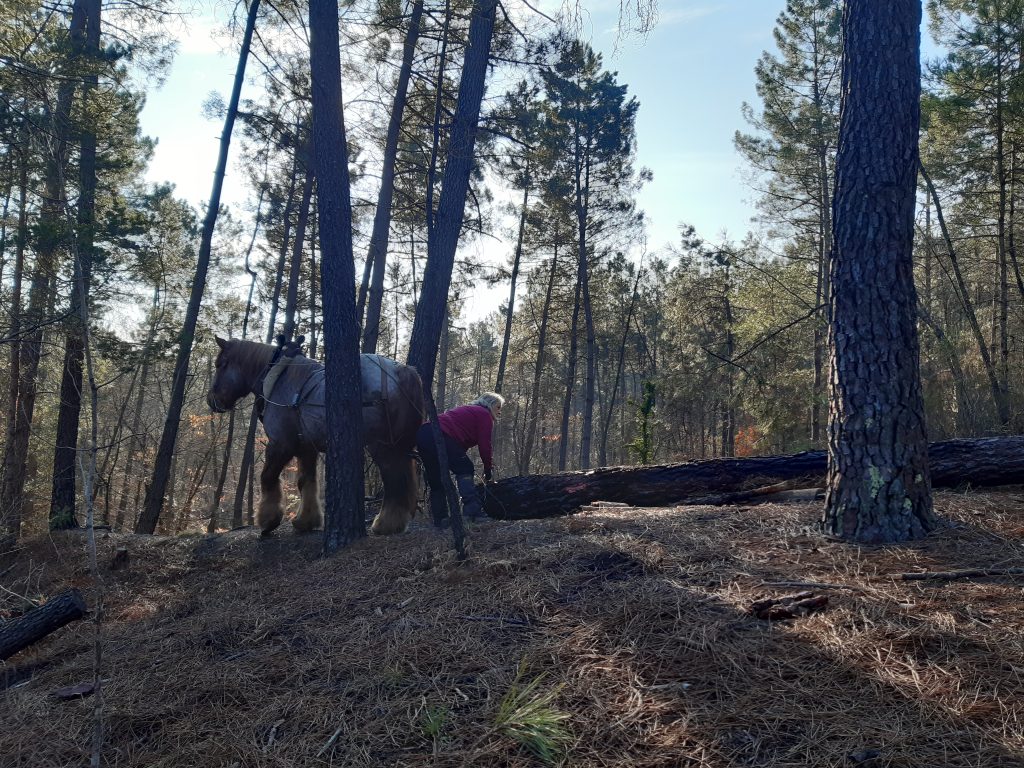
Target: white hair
x: 492, y: 401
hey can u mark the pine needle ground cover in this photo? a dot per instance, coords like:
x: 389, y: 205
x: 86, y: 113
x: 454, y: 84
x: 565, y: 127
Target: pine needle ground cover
x: 613, y: 637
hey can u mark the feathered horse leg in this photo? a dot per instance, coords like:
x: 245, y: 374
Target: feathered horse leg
x: 398, y: 474
x: 309, y: 517
x: 270, y: 512
x: 394, y: 459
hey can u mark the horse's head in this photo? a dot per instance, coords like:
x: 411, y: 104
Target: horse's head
x: 230, y: 383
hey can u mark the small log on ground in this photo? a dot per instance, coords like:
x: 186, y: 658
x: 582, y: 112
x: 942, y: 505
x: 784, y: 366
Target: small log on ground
x: 36, y: 624
x: 791, y: 607
x: 976, y: 462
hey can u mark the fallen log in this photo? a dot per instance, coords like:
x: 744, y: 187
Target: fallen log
x: 970, y: 573
x: 954, y: 463
x: 38, y: 623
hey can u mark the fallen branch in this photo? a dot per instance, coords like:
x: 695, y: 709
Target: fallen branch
x: 810, y: 585
x: 791, y: 607
x: 970, y: 573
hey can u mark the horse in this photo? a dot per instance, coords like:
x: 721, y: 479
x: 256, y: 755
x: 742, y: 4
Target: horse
x: 289, y: 390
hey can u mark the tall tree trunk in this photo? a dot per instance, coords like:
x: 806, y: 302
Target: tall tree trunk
x: 603, y: 448
x: 878, y: 486
x: 538, y: 371
x: 442, y: 368
x: 499, y: 381
x: 443, y: 236
x: 218, y: 492
x: 292, y: 299
x: 62, y: 499
x: 51, y: 240
x: 161, y: 468
x: 344, y: 514
x: 964, y: 295
x: 822, y: 287
x: 729, y: 404
x: 14, y: 329
x: 247, y: 467
x: 377, y: 254
x: 583, y: 219
x: 570, y: 381
x: 136, y: 446
x: 437, y: 277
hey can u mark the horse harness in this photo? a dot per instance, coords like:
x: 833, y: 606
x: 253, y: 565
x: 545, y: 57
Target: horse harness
x: 284, y: 357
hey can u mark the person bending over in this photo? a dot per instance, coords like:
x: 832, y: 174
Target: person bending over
x: 462, y: 428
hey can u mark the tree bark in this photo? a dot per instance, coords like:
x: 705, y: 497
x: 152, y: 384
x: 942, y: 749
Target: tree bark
x: 973, y: 462
x: 52, y: 237
x: 878, y: 487
x: 18, y: 634
x: 63, y: 496
x: 437, y: 277
x: 344, y: 514
x: 570, y: 381
x: 154, y: 502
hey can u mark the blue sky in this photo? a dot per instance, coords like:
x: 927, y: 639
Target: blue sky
x: 690, y: 74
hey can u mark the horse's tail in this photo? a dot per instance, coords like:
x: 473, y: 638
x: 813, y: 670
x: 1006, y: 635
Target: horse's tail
x: 396, y: 464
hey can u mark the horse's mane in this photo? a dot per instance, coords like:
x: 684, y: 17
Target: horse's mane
x: 249, y: 357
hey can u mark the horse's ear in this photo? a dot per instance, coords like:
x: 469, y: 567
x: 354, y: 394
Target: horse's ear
x: 222, y: 343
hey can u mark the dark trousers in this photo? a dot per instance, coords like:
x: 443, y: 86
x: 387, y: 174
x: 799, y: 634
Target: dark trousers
x: 458, y: 464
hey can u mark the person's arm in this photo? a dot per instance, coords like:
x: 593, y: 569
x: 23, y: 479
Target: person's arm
x: 486, y: 425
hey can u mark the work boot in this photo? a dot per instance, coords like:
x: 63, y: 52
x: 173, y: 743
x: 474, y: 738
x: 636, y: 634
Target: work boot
x: 470, y: 498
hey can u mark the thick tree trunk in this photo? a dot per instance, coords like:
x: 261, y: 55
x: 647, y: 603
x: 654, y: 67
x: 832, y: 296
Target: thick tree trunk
x: 974, y: 462
x: 877, y: 487
x: 344, y: 514
x: 426, y: 331
x: 63, y: 496
x: 20, y: 633
x: 376, y: 258
x: 154, y: 502
x: 14, y: 330
x: 51, y: 239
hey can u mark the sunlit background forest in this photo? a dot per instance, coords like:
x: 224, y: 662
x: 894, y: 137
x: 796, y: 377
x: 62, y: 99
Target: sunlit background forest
x: 608, y: 352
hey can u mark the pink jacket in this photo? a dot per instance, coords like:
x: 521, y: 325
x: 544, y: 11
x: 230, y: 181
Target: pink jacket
x: 470, y: 425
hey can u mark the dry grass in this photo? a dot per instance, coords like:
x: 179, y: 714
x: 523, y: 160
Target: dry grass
x: 620, y: 637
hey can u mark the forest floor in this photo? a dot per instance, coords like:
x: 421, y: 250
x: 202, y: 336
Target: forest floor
x: 618, y: 637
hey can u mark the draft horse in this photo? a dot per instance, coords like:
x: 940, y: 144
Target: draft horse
x: 289, y: 390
